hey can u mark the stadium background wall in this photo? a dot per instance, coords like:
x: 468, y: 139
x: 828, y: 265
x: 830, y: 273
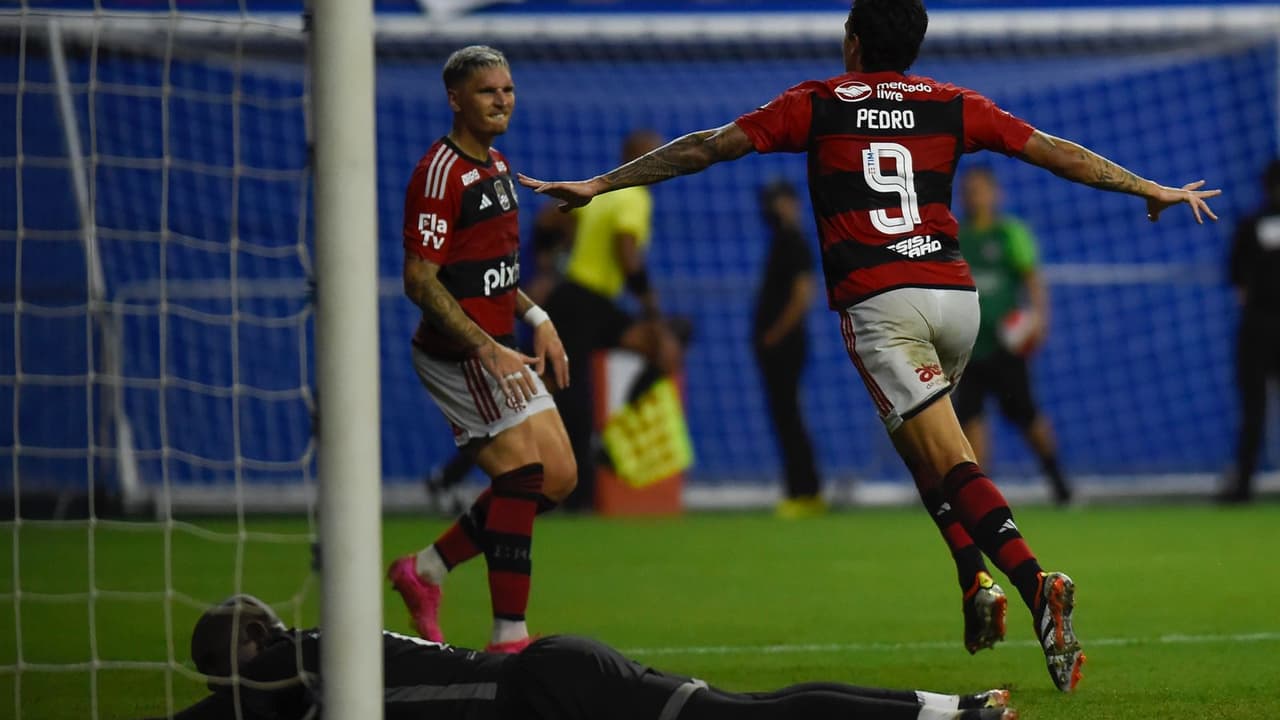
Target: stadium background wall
x: 1137, y: 374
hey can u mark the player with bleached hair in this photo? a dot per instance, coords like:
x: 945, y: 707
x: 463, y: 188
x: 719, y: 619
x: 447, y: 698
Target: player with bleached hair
x: 462, y: 268
x: 882, y: 149
x: 259, y: 669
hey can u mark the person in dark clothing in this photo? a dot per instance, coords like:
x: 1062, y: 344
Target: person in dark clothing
x: 1255, y: 274
x: 607, y: 263
x: 560, y: 677
x: 787, y: 291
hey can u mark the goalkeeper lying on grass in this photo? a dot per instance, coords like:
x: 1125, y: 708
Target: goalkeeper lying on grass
x: 556, y: 678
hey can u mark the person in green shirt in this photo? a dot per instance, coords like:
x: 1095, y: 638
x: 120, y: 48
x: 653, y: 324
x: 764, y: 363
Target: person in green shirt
x: 1014, y: 302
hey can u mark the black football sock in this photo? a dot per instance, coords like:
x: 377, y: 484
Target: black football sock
x: 987, y: 517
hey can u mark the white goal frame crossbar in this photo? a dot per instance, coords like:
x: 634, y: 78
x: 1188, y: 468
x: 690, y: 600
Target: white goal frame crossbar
x: 1030, y: 23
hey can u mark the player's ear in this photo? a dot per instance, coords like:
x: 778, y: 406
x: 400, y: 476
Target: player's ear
x: 256, y: 631
x: 852, y: 53
x: 453, y: 99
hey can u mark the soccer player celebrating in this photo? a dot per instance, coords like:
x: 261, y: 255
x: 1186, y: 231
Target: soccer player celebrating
x: 882, y: 148
x: 461, y: 266
x: 556, y: 678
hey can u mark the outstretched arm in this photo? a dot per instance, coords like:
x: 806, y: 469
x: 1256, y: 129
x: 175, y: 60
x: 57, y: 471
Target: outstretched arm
x: 685, y: 155
x: 1073, y: 162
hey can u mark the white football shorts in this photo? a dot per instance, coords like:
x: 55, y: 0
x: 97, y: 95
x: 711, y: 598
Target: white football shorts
x: 472, y: 401
x: 910, y: 346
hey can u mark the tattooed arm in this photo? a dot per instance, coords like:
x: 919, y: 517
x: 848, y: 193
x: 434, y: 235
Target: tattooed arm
x: 422, y: 285
x: 1073, y: 162
x: 685, y: 155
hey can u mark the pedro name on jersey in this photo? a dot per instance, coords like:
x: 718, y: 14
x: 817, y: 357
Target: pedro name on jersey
x: 883, y: 150
x: 460, y: 213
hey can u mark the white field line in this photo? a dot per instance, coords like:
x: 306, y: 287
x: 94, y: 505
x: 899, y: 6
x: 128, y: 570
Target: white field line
x: 1172, y: 639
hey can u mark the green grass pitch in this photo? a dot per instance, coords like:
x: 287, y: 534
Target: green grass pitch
x: 1177, y: 605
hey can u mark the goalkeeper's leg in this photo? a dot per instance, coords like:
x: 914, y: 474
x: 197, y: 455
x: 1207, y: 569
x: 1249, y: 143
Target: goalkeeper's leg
x: 820, y: 702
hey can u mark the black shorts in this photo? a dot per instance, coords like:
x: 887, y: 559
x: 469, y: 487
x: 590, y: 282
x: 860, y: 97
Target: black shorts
x: 1002, y: 375
x: 585, y: 320
x: 564, y: 677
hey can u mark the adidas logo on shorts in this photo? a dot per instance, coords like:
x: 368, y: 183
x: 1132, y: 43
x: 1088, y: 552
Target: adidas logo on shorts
x: 485, y: 201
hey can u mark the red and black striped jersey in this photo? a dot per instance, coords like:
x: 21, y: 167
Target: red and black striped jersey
x: 882, y: 150
x: 460, y: 213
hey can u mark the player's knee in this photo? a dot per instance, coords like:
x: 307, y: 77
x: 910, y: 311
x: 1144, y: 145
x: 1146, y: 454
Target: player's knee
x: 933, y: 441
x: 560, y: 478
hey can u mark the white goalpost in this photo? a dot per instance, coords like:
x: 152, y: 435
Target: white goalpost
x: 342, y: 60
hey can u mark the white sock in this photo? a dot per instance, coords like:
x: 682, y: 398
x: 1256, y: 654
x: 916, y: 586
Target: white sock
x: 929, y: 712
x: 430, y: 566
x: 938, y: 700
x: 505, y: 631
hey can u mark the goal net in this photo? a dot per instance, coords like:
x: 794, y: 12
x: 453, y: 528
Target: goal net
x: 155, y: 296
x: 156, y: 318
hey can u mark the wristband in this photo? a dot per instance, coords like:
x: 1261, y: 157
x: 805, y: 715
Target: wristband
x: 638, y: 282
x: 535, y: 316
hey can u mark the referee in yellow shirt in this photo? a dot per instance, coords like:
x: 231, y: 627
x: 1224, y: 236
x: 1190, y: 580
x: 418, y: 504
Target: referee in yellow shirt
x: 607, y: 261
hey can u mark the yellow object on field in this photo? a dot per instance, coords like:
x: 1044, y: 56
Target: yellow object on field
x: 800, y: 508
x: 648, y: 440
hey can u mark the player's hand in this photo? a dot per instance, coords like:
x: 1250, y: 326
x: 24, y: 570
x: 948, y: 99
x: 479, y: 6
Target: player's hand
x: 1191, y: 194
x: 550, y: 351
x: 510, y: 369
x: 1039, y: 333
x: 570, y: 194
x: 771, y: 338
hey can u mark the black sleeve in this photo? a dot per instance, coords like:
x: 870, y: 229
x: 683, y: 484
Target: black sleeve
x: 288, y: 697
x: 217, y: 706
x: 1244, y: 250
x: 799, y: 256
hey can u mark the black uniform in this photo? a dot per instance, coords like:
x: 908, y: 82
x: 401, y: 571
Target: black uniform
x: 561, y: 677
x: 421, y: 677
x: 781, y: 364
x: 1255, y: 272
x: 586, y: 321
